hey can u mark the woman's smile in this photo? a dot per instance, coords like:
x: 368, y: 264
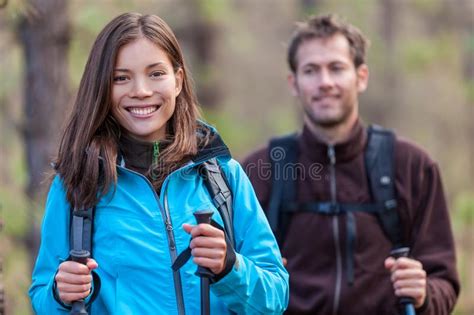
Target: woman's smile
x: 142, y: 111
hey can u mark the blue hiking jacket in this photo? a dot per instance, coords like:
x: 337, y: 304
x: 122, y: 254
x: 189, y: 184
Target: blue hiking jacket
x: 135, y: 254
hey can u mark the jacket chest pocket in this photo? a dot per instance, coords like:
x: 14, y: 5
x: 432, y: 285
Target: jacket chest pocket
x: 123, y: 239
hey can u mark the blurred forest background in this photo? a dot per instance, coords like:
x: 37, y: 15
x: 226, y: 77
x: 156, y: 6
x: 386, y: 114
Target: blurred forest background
x: 422, y: 85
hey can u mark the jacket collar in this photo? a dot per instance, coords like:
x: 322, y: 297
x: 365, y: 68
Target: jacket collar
x: 215, y: 147
x: 138, y: 155
x: 317, y: 150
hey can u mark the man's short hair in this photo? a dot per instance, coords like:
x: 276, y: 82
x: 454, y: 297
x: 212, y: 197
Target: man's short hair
x: 325, y: 26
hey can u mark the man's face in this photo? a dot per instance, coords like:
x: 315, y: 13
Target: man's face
x: 327, y: 82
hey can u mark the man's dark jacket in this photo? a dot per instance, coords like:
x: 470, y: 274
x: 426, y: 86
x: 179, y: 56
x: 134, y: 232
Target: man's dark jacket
x: 310, y: 243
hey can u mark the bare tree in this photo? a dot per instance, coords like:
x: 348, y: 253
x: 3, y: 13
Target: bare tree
x: 2, y: 289
x: 389, y: 15
x: 44, y: 33
x: 3, y: 4
x: 201, y: 33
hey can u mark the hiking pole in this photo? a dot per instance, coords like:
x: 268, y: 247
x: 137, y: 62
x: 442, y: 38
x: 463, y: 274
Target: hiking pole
x: 407, y: 303
x: 204, y: 216
x: 80, y: 256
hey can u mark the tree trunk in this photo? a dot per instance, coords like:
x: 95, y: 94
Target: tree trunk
x: 391, y: 81
x: 200, y: 33
x: 44, y: 34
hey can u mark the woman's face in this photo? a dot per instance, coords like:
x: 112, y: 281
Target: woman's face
x: 144, y: 90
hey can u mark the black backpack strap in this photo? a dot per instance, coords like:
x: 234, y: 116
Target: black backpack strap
x: 283, y: 155
x: 81, y: 229
x: 329, y: 208
x: 218, y: 187
x: 380, y: 166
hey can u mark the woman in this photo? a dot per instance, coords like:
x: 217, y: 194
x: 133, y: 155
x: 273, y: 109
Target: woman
x: 131, y: 150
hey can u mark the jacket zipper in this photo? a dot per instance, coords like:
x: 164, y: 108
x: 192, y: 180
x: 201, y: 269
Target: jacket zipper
x: 171, y: 240
x: 178, y: 287
x: 335, y: 225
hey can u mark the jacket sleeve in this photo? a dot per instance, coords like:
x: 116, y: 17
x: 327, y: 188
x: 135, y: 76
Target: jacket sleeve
x: 433, y: 244
x: 258, y: 282
x: 53, y: 250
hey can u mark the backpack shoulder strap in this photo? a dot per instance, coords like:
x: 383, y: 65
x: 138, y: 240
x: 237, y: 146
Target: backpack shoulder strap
x: 218, y: 187
x: 283, y: 154
x: 81, y: 229
x: 380, y: 167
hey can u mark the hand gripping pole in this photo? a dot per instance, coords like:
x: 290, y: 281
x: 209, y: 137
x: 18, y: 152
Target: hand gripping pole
x: 204, y: 216
x: 80, y: 256
x: 406, y: 303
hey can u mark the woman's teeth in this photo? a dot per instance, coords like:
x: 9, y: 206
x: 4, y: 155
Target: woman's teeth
x: 142, y: 111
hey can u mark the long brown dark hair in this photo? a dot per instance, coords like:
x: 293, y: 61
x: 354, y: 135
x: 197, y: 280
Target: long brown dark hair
x: 88, y: 150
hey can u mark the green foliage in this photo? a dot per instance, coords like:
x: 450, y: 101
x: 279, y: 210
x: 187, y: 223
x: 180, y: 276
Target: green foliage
x: 470, y: 92
x: 17, y: 279
x: 419, y: 55
x: 11, y: 61
x: 77, y: 55
x: 470, y: 43
x: 464, y: 211
x: 90, y: 18
x: 87, y: 22
x: 243, y: 135
x: 214, y: 10
x: 15, y: 211
x: 235, y: 134
x: 15, y: 9
x: 356, y: 12
x: 427, y: 7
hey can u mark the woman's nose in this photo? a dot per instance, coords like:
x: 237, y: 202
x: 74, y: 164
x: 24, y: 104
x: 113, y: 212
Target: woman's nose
x: 141, y: 89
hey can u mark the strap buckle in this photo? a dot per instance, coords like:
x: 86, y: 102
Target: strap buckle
x: 83, y: 213
x: 390, y: 204
x: 329, y: 208
x: 220, y: 199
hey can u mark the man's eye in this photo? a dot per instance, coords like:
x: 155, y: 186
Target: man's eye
x: 308, y: 71
x: 120, y: 78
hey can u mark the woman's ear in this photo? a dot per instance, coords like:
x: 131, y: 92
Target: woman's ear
x: 179, y: 75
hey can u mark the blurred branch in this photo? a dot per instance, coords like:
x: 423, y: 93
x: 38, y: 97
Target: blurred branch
x: 3, y: 4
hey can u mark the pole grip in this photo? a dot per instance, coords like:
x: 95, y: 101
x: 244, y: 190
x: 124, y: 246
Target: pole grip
x: 80, y: 256
x: 406, y: 303
x: 203, y: 217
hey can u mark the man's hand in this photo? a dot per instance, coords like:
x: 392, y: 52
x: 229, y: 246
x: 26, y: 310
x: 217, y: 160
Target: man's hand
x: 208, y: 246
x: 408, y: 278
x: 74, y: 280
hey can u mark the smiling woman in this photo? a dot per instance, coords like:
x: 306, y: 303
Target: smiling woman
x: 131, y: 154
x: 145, y: 89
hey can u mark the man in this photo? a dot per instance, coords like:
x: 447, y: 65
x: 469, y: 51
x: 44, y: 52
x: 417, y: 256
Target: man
x: 337, y: 250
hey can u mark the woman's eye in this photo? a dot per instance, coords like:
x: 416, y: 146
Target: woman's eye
x: 157, y: 74
x: 120, y: 78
